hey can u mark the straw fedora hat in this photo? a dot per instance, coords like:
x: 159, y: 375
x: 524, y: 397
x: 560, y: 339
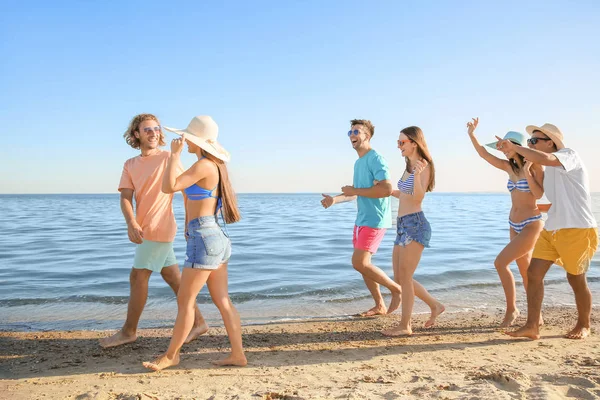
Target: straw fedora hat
x: 203, y: 132
x: 551, y: 131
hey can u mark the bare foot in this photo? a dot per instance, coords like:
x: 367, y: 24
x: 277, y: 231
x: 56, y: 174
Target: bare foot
x: 117, y: 339
x: 439, y: 308
x: 579, y: 332
x: 525, y: 331
x: 162, y: 362
x: 510, y: 319
x: 377, y: 310
x: 397, y: 331
x: 238, y: 361
x: 196, y: 331
x: 395, y: 303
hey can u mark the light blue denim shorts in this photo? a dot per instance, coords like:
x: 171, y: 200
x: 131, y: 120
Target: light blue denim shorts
x: 208, y: 246
x: 154, y: 255
x: 413, y: 227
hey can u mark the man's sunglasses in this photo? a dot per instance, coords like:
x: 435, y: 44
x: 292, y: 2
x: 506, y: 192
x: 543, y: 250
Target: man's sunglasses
x: 534, y: 140
x: 354, y: 132
x: 150, y: 129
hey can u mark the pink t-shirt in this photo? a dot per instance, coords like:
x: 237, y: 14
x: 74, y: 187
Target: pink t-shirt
x: 153, y: 208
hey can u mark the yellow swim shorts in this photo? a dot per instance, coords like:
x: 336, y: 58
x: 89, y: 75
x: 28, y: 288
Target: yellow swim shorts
x: 571, y: 248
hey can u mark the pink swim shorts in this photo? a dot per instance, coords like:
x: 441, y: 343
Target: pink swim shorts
x: 368, y: 239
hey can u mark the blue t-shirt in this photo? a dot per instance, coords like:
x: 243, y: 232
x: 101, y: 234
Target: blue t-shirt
x: 374, y: 213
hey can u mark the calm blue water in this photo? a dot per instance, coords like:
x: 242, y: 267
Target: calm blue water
x: 65, y: 260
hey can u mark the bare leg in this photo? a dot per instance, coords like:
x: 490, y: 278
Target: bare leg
x: 192, y: 281
x: 583, y: 298
x: 218, y: 288
x: 138, y: 281
x: 172, y: 276
x: 380, y: 308
x: 361, y: 261
x: 409, y: 258
x: 520, y: 245
x: 535, y: 296
x: 436, y: 307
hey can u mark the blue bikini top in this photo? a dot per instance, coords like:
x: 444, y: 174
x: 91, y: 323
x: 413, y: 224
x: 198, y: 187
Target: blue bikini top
x: 196, y: 192
x: 408, y: 185
x: 521, y: 185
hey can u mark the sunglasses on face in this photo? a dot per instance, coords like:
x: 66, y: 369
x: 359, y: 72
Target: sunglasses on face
x: 150, y: 129
x: 401, y: 143
x: 355, y: 132
x: 534, y: 140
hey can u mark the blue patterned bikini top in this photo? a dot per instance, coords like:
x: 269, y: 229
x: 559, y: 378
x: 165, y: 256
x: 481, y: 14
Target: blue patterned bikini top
x: 521, y: 185
x: 408, y: 185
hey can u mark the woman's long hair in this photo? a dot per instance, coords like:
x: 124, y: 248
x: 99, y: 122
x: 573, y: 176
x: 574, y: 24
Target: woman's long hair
x: 516, y: 163
x: 415, y: 134
x: 230, y: 210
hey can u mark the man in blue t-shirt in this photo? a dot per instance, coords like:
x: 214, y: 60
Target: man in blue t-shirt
x: 371, y: 188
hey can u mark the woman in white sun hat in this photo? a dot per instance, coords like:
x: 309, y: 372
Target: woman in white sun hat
x: 525, y: 220
x: 208, y: 193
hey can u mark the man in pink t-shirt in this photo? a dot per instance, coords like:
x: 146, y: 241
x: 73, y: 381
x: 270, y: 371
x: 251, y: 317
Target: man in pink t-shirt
x: 152, y: 228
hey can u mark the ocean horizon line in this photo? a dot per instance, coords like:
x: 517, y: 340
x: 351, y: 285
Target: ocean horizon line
x: 275, y: 193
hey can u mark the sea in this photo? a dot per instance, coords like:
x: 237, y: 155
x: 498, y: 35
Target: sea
x: 65, y: 261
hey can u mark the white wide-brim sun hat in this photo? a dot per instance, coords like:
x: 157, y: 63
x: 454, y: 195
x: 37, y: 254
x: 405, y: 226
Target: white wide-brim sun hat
x: 203, y: 132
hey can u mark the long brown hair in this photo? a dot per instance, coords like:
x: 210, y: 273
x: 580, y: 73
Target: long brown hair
x: 415, y: 134
x: 230, y: 210
x: 516, y: 163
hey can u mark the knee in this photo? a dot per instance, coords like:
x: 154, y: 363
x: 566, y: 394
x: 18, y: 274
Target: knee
x: 500, y: 264
x: 223, y: 303
x: 139, y: 277
x: 576, y: 281
x: 170, y: 276
x: 535, y: 276
x: 359, y: 265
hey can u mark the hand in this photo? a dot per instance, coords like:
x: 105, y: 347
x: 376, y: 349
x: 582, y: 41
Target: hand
x: 135, y: 232
x: 505, y: 145
x: 420, y: 167
x: 348, y: 190
x: 177, y: 145
x: 327, y: 201
x: 471, y: 126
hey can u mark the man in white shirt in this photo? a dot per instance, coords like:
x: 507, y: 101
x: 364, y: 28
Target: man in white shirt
x: 570, y: 236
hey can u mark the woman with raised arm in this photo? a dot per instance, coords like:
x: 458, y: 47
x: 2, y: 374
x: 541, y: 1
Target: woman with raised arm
x: 525, y: 184
x: 208, y: 193
x: 413, y: 229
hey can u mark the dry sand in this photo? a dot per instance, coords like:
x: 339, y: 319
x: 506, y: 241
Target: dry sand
x: 465, y: 356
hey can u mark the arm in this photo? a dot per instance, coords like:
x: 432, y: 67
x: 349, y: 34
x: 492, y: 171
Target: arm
x: 483, y: 153
x: 535, y: 178
x: 172, y: 180
x: 377, y: 191
x: 535, y: 156
x: 327, y: 201
x: 396, y: 193
x: 134, y: 231
x: 422, y: 174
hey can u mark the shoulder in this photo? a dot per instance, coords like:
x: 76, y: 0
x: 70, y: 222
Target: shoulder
x: 131, y: 161
x: 375, y: 157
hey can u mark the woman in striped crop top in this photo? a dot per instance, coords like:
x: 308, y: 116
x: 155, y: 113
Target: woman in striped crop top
x: 525, y: 184
x: 413, y: 229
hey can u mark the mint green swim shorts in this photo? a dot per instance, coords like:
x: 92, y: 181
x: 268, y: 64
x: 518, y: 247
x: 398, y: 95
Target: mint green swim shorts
x: 154, y: 255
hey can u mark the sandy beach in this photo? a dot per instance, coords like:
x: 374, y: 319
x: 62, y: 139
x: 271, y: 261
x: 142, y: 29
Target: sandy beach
x: 465, y: 356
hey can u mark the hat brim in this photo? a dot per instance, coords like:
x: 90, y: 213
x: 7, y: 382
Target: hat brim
x: 559, y: 143
x: 213, y: 148
x: 494, y: 144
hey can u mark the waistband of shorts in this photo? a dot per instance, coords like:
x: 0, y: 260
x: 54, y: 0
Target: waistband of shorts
x: 208, y: 220
x: 418, y: 215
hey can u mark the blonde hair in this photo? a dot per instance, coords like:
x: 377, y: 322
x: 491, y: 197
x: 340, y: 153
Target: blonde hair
x: 134, y: 126
x: 366, y: 123
x: 415, y: 134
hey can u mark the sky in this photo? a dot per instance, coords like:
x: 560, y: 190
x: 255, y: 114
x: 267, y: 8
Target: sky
x: 283, y: 80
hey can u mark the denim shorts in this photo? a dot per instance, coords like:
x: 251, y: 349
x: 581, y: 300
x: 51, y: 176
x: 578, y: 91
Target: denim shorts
x: 413, y: 227
x: 208, y: 246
